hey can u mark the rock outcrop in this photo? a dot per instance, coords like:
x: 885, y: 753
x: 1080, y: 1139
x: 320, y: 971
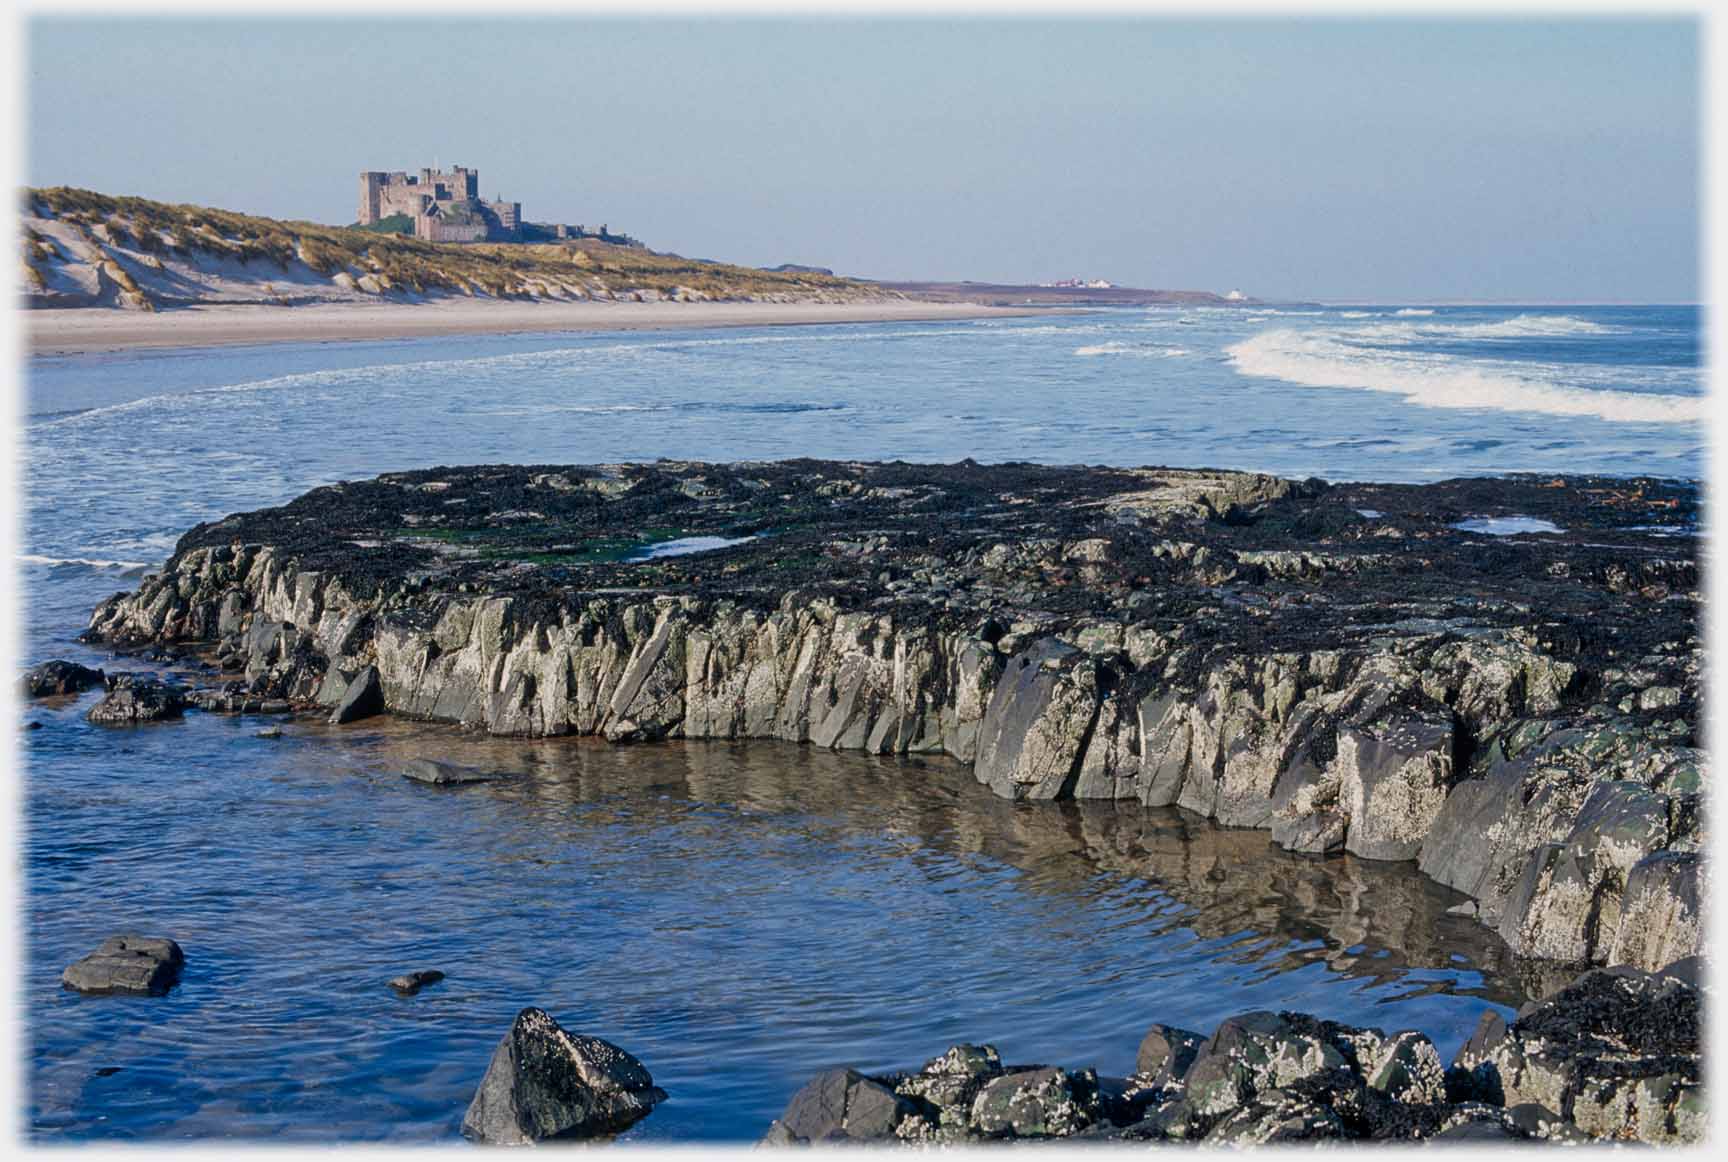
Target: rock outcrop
x: 1613, y: 1056
x: 546, y: 1083
x: 145, y: 966
x: 1518, y: 715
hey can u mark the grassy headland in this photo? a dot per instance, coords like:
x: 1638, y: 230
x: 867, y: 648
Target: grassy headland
x: 88, y: 249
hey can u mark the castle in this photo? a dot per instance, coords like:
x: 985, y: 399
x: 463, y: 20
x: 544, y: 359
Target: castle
x: 445, y: 206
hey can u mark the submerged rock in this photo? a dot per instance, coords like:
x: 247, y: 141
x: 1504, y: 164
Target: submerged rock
x: 130, y: 965
x: 410, y: 983
x: 446, y: 774
x: 58, y: 677
x: 546, y: 1083
x: 133, y: 698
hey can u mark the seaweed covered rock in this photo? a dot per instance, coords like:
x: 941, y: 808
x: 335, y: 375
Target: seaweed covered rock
x: 134, y: 698
x: 58, y: 677
x: 1614, y: 1055
x: 1617, y: 1053
x: 544, y: 1083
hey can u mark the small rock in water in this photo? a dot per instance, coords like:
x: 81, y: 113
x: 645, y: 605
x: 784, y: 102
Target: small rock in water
x: 270, y: 732
x: 446, y: 774
x: 544, y: 1082
x: 135, y: 698
x: 32, y: 725
x: 363, y: 698
x: 58, y: 677
x: 146, y: 966
x: 410, y: 983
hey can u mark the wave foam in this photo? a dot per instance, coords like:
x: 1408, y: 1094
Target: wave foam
x: 1408, y: 311
x: 1140, y: 350
x: 1437, y: 381
x: 1521, y: 326
x: 1518, y: 327
x: 94, y: 565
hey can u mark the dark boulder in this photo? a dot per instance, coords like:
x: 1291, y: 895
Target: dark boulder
x: 844, y: 1105
x: 1166, y: 1053
x: 544, y: 1082
x: 841, y: 1105
x: 132, y: 698
x: 58, y: 677
x: 1038, y: 1103
x: 363, y: 698
x: 146, y: 966
x: 410, y: 983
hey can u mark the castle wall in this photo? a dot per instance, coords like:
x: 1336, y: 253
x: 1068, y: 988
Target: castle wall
x: 408, y: 200
x: 432, y: 230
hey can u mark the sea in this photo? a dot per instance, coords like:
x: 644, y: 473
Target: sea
x: 739, y: 916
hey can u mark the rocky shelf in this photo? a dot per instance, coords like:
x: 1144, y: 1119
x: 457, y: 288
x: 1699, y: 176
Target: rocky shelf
x: 1498, y: 679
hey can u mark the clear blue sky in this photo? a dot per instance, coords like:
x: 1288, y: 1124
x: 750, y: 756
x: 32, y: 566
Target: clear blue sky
x: 1360, y: 158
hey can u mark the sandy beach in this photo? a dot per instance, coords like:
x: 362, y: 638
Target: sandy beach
x: 65, y: 332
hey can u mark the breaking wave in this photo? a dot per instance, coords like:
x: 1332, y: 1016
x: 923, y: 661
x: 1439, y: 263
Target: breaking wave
x: 123, y: 568
x: 1140, y: 350
x: 1521, y: 327
x: 1524, y: 326
x: 1407, y: 311
x: 1437, y: 381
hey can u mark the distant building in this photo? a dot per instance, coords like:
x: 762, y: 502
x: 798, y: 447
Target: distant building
x: 1235, y: 296
x: 1081, y: 284
x: 445, y: 206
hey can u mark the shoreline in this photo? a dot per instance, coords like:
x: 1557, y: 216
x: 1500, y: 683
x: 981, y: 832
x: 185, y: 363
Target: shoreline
x: 1085, y: 657
x: 91, y: 330
x: 1401, y: 741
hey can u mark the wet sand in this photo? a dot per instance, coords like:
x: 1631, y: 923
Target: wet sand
x: 72, y: 331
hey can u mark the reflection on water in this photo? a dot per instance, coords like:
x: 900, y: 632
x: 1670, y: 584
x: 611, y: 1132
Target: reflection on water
x: 739, y: 916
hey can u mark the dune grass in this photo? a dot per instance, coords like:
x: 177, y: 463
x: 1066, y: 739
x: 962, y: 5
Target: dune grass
x: 396, y: 263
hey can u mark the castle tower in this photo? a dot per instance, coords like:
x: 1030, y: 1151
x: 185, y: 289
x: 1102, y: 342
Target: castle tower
x: 371, y: 186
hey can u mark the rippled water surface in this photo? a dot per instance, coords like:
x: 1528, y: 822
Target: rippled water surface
x: 737, y: 916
